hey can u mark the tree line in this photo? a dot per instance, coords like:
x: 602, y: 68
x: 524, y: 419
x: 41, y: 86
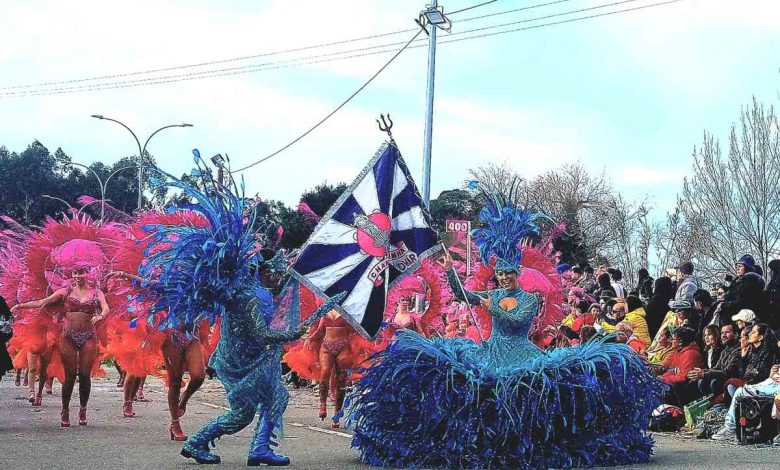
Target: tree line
x: 730, y: 204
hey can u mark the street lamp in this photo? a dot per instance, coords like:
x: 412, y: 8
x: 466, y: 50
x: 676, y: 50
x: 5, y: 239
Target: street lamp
x: 102, y: 185
x: 141, y: 150
x: 58, y: 199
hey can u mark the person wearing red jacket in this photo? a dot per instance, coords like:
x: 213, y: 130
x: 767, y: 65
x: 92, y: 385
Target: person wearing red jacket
x: 686, y: 357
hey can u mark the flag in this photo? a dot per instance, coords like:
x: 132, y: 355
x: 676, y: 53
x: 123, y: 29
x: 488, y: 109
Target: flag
x: 377, y: 231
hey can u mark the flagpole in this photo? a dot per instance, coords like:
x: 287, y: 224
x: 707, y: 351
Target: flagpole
x: 426, y: 176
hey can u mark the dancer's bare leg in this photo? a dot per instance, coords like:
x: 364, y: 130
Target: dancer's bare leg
x: 86, y: 360
x: 70, y: 362
x: 193, y: 361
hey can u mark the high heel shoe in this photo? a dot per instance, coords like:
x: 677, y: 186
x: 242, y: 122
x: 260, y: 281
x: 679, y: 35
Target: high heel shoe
x: 127, y: 410
x: 65, y: 418
x: 323, y: 411
x: 82, y: 416
x: 31, y: 398
x: 176, y: 433
x: 38, y: 400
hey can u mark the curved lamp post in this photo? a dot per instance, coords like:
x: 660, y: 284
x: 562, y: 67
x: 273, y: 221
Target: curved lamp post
x: 57, y: 199
x: 141, y: 150
x: 103, y: 185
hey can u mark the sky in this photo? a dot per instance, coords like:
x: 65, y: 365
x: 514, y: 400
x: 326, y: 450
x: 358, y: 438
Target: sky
x: 628, y: 94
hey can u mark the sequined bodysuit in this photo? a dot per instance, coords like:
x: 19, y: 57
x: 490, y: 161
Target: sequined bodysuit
x: 508, y: 345
x: 90, y: 306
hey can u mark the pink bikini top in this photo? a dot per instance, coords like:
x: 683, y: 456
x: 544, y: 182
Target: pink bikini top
x: 90, y: 306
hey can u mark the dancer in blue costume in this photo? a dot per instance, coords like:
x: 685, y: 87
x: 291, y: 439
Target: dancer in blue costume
x: 210, y: 272
x: 503, y: 403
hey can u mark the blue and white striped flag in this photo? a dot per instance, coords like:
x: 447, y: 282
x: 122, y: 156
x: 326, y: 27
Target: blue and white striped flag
x: 377, y: 230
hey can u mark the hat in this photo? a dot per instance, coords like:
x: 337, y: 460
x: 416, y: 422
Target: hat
x: 747, y: 261
x: 686, y: 267
x: 680, y: 305
x: 746, y: 315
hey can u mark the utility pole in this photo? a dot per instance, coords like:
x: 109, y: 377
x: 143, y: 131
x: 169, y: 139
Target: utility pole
x: 432, y: 16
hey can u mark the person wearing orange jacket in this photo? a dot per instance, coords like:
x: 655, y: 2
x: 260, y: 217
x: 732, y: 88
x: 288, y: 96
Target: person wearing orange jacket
x: 685, y: 358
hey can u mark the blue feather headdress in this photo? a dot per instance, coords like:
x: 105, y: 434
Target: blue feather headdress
x: 505, y: 228
x: 201, y: 270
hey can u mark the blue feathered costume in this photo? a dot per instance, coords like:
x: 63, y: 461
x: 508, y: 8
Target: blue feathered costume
x: 503, y: 403
x: 206, y: 272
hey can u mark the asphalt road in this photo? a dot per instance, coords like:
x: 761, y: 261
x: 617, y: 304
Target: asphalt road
x: 32, y: 439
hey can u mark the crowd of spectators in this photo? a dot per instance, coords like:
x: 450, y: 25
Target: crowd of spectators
x: 720, y: 343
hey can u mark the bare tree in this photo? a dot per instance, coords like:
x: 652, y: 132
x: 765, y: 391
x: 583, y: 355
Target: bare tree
x: 499, y: 179
x: 607, y: 226
x: 733, y: 202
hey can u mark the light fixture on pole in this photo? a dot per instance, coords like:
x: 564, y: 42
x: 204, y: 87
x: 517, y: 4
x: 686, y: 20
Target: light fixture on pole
x: 141, y: 150
x: 430, y: 19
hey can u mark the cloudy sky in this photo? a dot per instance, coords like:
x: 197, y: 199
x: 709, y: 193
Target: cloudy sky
x: 630, y: 94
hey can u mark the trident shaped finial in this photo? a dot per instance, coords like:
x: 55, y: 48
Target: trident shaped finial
x: 385, y: 125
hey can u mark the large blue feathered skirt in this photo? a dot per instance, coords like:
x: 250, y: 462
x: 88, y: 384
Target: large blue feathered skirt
x: 433, y: 403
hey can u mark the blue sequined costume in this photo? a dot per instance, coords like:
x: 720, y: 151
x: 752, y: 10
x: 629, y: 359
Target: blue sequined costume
x: 503, y: 403
x: 208, y: 272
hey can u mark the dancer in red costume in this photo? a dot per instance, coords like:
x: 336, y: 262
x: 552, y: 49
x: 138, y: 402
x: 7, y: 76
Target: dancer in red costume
x: 56, y: 266
x: 333, y: 333
x: 84, y: 306
x: 330, y: 354
x: 145, y: 347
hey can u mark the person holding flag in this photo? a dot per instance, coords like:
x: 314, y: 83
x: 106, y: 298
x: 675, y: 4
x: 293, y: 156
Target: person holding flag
x: 429, y: 403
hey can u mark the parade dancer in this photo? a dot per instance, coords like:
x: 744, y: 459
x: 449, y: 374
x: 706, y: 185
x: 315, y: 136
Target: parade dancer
x: 78, y: 346
x: 211, y: 272
x: 452, y: 403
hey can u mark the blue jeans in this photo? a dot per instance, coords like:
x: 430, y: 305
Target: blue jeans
x: 767, y: 388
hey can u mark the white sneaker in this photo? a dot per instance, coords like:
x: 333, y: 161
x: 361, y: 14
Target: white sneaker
x: 725, y: 435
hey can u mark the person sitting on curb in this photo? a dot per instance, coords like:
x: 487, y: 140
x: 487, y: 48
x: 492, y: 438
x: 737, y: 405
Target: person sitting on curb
x: 711, y: 381
x: 766, y: 388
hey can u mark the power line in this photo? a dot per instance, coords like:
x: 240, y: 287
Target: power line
x: 315, y: 59
x: 255, y: 56
x: 444, y: 42
x: 545, y: 17
x: 471, y: 7
x: 506, y: 12
x: 212, y: 62
x: 343, y: 103
x: 572, y: 20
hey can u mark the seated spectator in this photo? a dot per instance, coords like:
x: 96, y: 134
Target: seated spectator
x: 712, y: 380
x: 686, y: 357
x: 747, y: 290
x: 644, y: 287
x: 581, y: 315
x: 686, y: 283
x: 586, y: 333
x: 686, y: 315
x: 744, y: 318
x: 661, y: 349
x: 588, y: 281
x: 625, y: 334
x: 766, y: 388
x: 712, y: 345
x: 616, y: 281
x: 706, y: 306
x: 636, y: 318
x: 658, y: 306
x: 608, y: 321
x: 604, y: 284
x: 760, y: 354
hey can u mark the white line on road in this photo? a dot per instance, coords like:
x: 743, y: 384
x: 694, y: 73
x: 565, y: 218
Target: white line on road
x: 297, y: 425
